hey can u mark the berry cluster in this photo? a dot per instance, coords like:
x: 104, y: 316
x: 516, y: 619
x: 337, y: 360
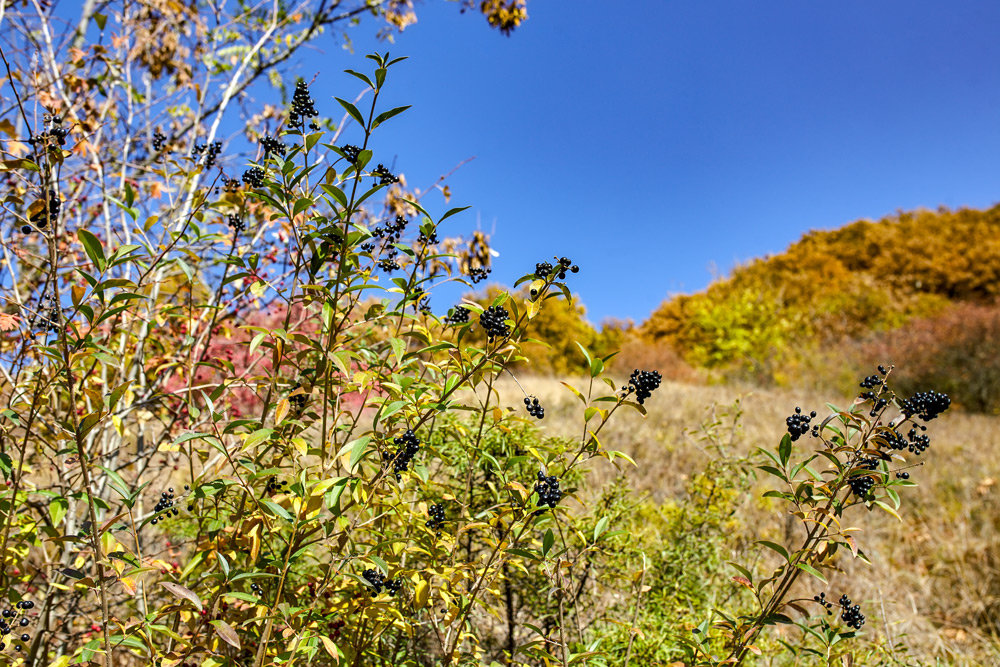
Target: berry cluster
x: 407, y: 447
x: 851, y: 615
x: 871, y: 382
x: 457, y: 316
x: 798, y: 423
x: 46, y: 321
x: 378, y: 581
x: 494, y: 322
x: 256, y: 589
x: 159, y: 140
x: 862, y: 485
x: 823, y: 602
x: 273, y: 486
x: 298, y: 401
x: 478, y: 274
x: 236, y: 222
x: 303, y: 106
x: 10, y: 623
x: 254, y: 177
x: 392, y: 231
x: 436, y: 514
x: 427, y: 239
x: 545, y: 269
x: 534, y: 409
x: 902, y: 475
x: 273, y: 146
x: 925, y: 404
x: 53, y: 136
x: 165, y: 505
x: 48, y: 212
x: 351, y: 152
x: 643, y: 383
x: 210, y: 151
x: 547, y: 488
x: 384, y: 176
x: 917, y: 442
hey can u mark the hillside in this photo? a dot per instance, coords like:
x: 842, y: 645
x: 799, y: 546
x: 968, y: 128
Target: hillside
x: 863, y: 283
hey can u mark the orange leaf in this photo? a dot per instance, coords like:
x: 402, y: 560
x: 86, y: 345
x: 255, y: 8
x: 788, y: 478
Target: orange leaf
x: 8, y: 322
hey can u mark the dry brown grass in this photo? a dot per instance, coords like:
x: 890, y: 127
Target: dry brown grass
x: 934, y: 581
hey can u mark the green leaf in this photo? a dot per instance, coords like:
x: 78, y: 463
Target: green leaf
x: 361, y: 76
x: 806, y: 567
x: 547, y: 541
x: 101, y: 20
x: 277, y: 509
x: 452, y: 212
x: 785, y: 449
x: 386, y: 115
x: 93, y: 248
x: 601, y: 526
x: 352, y: 111
x: 775, y: 547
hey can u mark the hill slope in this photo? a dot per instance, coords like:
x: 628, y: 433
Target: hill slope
x: 835, y: 286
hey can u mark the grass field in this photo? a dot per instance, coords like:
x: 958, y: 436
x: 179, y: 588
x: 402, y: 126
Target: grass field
x: 934, y: 580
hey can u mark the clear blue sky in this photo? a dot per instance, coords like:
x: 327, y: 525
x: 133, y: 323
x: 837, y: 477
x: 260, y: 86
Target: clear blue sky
x: 651, y: 141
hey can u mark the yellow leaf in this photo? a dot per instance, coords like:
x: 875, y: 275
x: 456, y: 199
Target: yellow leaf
x: 422, y: 594
x: 282, y: 411
x: 330, y: 647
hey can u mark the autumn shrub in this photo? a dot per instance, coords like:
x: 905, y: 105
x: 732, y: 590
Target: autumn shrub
x: 955, y: 351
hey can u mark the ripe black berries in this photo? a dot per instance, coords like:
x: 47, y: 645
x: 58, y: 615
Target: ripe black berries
x: 351, y: 152
x: 851, y: 615
x: 407, y: 447
x: 643, y: 383
x: 159, y: 140
x: 871, y: 382
x: 436, y: 514
x: 273, y: 486
x: 479, y: 274
x: 534, y: 409
x: 798, y: 424
x: 48, y: 212
x: 378, y: 581
x: 236, y: 222
x: 925, y: 404
x: 254, y: 177
x: 862, y: 485
x: 273, y: 146
x: 209, y: 151
x: 384, y: 176
x: 545, y: 269
x: 166, y: 506
x: 9, y: 622
x: 547, y: 488
x: 457, y: 316
x: 303, y: 106
x: 494, y: 322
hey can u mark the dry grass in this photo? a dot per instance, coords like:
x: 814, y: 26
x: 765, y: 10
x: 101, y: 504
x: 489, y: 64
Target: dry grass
x: 934, y: 581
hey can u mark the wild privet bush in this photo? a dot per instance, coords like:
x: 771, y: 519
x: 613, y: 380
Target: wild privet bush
x: 335, y: 482
x: 862, y: 458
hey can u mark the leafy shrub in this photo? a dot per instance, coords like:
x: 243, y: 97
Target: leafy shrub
x: 954, y: 351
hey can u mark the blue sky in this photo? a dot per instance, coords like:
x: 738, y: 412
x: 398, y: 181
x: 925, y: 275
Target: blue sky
x: 657, y: 142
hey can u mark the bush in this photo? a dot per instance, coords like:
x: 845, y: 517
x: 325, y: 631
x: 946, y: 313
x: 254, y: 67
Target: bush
x: 954, y: 351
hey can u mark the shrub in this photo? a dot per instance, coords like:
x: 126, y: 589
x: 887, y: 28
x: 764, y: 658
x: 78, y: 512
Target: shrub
x: 954, y: 351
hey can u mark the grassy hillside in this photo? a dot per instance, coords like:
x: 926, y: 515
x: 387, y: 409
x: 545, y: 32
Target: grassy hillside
x: 771, y: 317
